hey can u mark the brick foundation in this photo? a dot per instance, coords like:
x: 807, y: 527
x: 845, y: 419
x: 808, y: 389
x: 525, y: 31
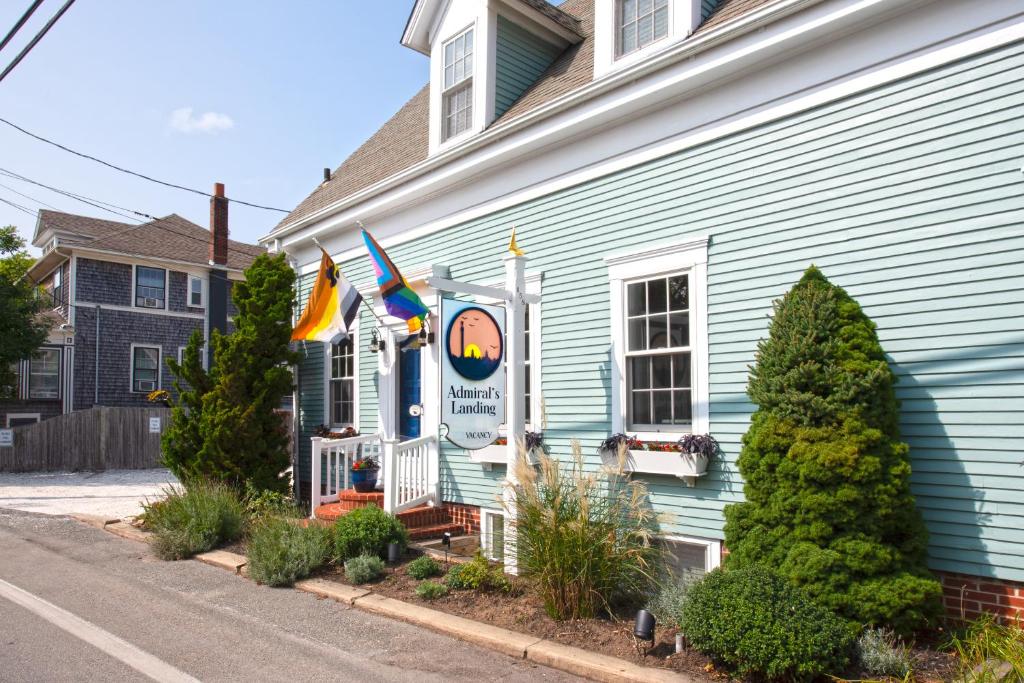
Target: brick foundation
x: 966, y: 596
x: 467, y: 516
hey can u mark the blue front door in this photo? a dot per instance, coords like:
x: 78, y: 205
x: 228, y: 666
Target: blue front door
x: 409, y: 388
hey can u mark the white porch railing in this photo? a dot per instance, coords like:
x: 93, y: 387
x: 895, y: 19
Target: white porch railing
x: 410, y: 473
x: 332, y: 462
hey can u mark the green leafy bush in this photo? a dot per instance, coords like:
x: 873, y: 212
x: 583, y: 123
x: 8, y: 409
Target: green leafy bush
x: 367, y: 531
x: 758, y: 623
x: 423, y: 568
x: 261, y: 504
x: 282, y: 552
x: 585, y: 538
x: 826, y: 477
x: 880, y: 653
x: 668, y: 603
x: 478, y: 574
x: 364, y: 569
x: 431, y: 590
x: 990, y: 652
x: 194, y: 520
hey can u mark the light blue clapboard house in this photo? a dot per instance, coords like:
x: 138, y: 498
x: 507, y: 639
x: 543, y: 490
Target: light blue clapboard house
x: 671, y: 168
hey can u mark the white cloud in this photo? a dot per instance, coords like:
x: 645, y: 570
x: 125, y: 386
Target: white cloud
x: 185, y: 121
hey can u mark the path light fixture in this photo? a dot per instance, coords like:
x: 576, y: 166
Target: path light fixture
x: 394, y: 553
x: 643, y: 630
x: 376, y: 343
x: 446, y: 541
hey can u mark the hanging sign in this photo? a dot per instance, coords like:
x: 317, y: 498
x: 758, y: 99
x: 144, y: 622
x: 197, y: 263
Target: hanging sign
x: 472, y: 372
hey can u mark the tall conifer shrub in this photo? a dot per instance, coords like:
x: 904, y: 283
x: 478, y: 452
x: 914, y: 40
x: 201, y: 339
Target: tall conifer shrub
x: 828, y: 499
x: 224, y: 426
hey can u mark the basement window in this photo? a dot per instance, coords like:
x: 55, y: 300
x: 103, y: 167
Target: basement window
x: 492, y: 535
x: 691, y: 555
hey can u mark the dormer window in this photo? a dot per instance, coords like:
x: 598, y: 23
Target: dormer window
x: 457, y: 114
x: 640, y: 23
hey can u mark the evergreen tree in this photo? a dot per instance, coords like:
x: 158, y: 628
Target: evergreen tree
x: 828, y: 499
x: 22, y: 332
x: 224, y: 425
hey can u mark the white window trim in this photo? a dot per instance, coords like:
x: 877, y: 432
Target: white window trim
x: 60, y: 376
x: 328, y: 408
x: 485, y: 515
x: 21, y: 416
x: 683, y: 19
x: 712, y: 548
x: 167, y: 287
x: 159, y: 369
x: 473, y: 82
x: 202, y: 292
x: 202, y: 355
x: 687, y: 255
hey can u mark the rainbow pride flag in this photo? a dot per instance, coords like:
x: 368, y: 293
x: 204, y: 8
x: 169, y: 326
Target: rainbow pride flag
x: 399, y: 299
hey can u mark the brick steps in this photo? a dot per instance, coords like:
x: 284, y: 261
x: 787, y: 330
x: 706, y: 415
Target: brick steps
x: 423, y: 522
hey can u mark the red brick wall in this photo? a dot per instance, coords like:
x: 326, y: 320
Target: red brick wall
x: 466, y: 515
x: 966, y: 596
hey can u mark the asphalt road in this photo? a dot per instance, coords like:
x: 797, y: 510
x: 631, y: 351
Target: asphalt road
x: 79, y: 604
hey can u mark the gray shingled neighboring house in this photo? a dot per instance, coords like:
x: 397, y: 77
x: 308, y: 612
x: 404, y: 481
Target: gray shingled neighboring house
x: 124, y: 298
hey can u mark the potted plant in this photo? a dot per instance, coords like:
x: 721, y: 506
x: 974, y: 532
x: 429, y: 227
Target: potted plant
x: 325, y: 432
x: 364, y: 474
x: 686, y: 458
x: 496, y: 452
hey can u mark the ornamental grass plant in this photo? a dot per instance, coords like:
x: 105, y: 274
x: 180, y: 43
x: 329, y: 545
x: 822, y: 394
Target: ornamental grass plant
x: 584, y: 537
x: 281, y: 551
x: 990, y: 652
x: 194, y: 519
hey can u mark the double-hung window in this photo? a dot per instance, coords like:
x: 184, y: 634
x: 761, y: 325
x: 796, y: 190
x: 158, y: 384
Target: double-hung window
x: 640, y: 23
x: 343, y: 381
x: 44, y: 374
x: 145, y: 368
x: 660, y: 371
x: 457, y: 86
x: 58, y: 287
x: 195, y: 291
x: 150, y: 287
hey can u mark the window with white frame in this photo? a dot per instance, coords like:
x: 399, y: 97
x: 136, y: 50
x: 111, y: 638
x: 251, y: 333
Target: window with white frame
x: 343, y: 383
x: 658, y: 376
x: 639, y: 23
x: 44, y: 374
x: 150, y: 287
x: 457, y: 86
x: 492, y: 534
x: 195, y: 291
x: 58, y: 287
x: 145, y: 368
x: 659, y: 338
x: 690, y: 557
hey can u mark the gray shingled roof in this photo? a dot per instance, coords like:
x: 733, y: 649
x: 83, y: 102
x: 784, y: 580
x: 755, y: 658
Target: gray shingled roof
x: 171, y: 237
x: 402, y: 141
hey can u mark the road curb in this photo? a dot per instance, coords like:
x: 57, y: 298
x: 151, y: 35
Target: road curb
x: 573, y: 660
x: 97, y: 521
x: 223, y: 559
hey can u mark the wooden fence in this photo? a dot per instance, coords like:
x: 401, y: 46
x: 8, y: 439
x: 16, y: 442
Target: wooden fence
x: 94, y: 439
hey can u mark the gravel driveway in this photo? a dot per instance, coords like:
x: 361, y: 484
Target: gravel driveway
x: 113, y: 493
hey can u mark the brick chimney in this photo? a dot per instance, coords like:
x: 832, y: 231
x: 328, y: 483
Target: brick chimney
x: 218, y: 226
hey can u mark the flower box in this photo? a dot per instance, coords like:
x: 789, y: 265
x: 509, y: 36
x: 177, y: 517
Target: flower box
x: 686, y: 466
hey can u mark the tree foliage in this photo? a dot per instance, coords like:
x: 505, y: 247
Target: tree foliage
x: 223, y: 424
x: 828, y: 499
x: 21, y: 330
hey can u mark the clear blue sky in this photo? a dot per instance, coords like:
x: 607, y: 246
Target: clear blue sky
x: 286, y: 88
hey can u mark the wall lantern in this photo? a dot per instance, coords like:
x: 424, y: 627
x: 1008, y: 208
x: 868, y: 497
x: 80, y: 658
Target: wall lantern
x: 376, y: 343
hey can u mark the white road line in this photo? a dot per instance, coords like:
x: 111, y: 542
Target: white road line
x: 141, y: 661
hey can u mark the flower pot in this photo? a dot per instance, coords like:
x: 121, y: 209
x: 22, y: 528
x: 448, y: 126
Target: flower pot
x: 364, y: 481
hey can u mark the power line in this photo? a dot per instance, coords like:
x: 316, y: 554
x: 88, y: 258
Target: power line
x: 35, y: 39
x: 133, y: 173
x: 21, y: 22
x: 97, y: 203
x: 19, y: 207
x: 37, y: 201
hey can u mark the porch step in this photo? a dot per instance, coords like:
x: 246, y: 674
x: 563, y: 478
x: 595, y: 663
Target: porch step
x: 423, y: 522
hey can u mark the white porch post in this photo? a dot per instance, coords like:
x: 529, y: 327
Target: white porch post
x: 316, y: 446
x: 390, y: 471
x: 515, y: 387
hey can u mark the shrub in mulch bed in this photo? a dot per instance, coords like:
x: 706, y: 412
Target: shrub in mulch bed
x: 281, y: 552
x: 193, y: 520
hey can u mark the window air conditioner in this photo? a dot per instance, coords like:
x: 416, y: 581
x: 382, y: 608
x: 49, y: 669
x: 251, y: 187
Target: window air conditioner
x: 146, y: 385
x: 150, y: 302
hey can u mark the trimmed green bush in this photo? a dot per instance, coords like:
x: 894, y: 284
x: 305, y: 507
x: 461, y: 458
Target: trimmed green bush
x: 431, y: 590
x: 364, y: 569
x: 367, y: 531
x: 879, y: 653
x: 826, y: 477
x: 761, y: 625
x: 478, y: 574
x: 194, y: 520
x: 423, y: 568
x: 282, y: 552
x: 584, y: 537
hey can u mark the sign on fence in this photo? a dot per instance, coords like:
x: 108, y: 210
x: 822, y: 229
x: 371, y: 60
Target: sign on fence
x: 472, y: 372
x: 154, y: 425
x: 6, y: 438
